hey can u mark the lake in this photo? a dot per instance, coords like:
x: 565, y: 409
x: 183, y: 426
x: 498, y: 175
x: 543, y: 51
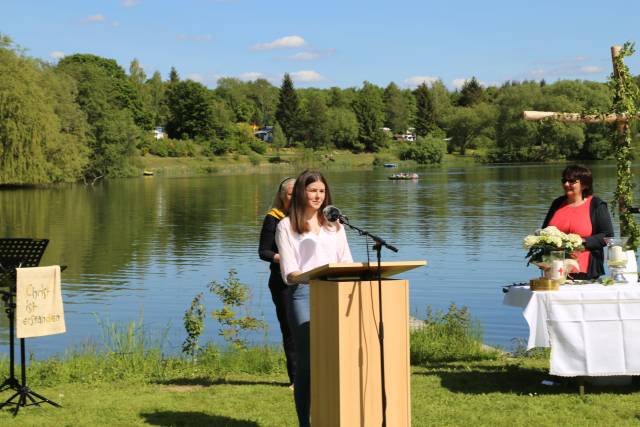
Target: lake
x: 143, y: 248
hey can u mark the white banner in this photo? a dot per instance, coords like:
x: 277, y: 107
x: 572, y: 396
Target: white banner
x: 39, y: 308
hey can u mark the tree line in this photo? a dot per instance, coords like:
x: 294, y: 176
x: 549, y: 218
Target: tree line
x: 86, y: 118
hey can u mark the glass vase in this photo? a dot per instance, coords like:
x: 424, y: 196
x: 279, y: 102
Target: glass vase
x: 616, y: 257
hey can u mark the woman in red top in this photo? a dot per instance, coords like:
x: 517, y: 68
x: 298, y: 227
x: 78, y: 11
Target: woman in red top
x: 580, y: 212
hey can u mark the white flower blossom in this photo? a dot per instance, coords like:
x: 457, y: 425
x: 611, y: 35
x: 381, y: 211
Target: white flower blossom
x: 530, y: 241
x: 551, y: 231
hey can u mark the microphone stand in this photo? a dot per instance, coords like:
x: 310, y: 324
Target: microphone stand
x: 379, y: 243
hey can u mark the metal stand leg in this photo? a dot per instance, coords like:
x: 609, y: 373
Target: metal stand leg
x: 581, y: 388
x: 11, y: 382
x: 23, y: 392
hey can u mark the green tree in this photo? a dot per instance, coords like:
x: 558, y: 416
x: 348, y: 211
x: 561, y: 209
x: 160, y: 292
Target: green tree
x: 429, y: 150
x: 136, y: 73
x: 279, y: 140
x: 369, y: 109
x: 288, y: 112
x: 235, y: 93
x: 264, y: 97
x: 42, y: 133
x: 68, y: 154
x: 467, y: 123
x: 156, y: 92
x: 396, y: 109
x: 173, y: 76
x: 191, y: 112
x: 441, y: 102
x: 343, y: 129
x: 514, y: 136
x: 471, y: 93
x: 317, y: 132
x: 425, y: 120
x: 121, y: 92
x: 111, y: 104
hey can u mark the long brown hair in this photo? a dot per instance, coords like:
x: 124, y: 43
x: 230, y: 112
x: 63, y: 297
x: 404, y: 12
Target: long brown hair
x: 299, y: 200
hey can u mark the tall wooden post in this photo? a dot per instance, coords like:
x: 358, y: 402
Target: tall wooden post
x: 623, y: 168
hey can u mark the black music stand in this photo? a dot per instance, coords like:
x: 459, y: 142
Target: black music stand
x: 17, y: 253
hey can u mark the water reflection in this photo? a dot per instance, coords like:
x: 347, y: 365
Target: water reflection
x: 145, y: 247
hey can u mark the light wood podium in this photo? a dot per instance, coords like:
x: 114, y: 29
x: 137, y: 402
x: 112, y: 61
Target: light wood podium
x: 345, y: 351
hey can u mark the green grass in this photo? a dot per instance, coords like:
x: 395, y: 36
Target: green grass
x: 293, y: 159
x: 128, y: 382
x: 505, y: 392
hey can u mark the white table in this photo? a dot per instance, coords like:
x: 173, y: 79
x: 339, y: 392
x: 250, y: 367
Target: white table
x: 592, y: 329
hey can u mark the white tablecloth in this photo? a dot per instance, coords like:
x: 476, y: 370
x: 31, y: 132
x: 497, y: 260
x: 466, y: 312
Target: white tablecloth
x: 591, y: 329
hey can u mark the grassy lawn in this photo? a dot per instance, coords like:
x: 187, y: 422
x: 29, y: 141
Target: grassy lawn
x: 293, y: 159
x: 505, y: 392
x: 455, y: 381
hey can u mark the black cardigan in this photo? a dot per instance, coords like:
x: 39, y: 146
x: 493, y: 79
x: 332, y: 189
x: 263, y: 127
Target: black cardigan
x: 601, y: 227
x: 268, y: 248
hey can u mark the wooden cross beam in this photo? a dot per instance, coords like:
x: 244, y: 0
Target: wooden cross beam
x: 622, y: 125
x: 576, y: 117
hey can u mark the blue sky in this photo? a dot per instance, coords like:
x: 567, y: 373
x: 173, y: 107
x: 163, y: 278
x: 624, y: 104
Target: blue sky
x: 335, y: 43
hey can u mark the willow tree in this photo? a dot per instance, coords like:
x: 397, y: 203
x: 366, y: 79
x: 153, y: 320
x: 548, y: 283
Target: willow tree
x: 42, y: 132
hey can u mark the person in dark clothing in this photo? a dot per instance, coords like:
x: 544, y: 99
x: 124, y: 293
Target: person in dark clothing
x: 580, y: 212
x: 268, y: 251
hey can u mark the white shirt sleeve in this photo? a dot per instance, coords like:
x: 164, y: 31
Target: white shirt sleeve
x: 288, y: 259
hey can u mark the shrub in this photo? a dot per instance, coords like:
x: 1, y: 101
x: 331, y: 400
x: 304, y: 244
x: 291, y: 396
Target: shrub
x: 447, y: 337
x: 159, y: 147
x: 218, y: 147
x: 427, y: 150
x: 184, y: 148
x: 258, y: 145
x: 255, y: 158
x: 243, y: 149
x: 233, y: 294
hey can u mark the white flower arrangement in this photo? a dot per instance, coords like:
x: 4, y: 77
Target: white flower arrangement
x: 551, y: 239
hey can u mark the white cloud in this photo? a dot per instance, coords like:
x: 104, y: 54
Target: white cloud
x: 250, y: 76
x: 95, y: 18
x: 562, y: 68
x: 287, y: 42
x: 115, y: 24
x: 56, y: 54
x: 416, y: 81
x: 310, y: 54
x: 458, y: 83
x: 307, y: 76
x: 196, y: 77
x: 305, y: 56
x: 130, y: 3
x: 590, y: 69
x: 195, y: 38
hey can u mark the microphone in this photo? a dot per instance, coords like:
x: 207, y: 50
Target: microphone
x: 332, y: 214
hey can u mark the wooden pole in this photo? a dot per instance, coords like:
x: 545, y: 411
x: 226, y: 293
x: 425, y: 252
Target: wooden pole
x: 575, y: 117
x: 623, y: 168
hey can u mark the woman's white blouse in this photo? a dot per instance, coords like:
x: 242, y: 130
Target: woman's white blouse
x: 304, y: 252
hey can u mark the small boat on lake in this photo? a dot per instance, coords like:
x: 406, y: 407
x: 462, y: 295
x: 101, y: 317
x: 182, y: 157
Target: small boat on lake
x: 390, y: 165
x: 404, y: 176
x: 147, y: 173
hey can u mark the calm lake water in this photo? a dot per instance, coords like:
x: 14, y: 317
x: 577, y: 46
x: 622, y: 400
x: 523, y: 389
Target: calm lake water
x: 143, y: 248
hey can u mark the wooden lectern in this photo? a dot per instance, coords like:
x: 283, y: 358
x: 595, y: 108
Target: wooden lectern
x: 345, y: 351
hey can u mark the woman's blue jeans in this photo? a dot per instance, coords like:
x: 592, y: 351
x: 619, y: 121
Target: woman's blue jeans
x: 300, y: 324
